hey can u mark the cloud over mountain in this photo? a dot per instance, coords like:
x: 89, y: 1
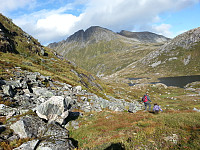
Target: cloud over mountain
x: 54, y: 24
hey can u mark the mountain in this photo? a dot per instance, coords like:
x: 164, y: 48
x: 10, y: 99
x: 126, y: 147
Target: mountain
x: 185, y: 40
x: 83, y: 38
x: 144, y: 36
x: 103, y: 52
x: 177, y: 57
x: 19, y: 49
x: 48, y: 102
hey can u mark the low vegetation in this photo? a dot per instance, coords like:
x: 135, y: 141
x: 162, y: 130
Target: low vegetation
x: 107, y: 57
x: 177, y: 127
x: 142, y: 130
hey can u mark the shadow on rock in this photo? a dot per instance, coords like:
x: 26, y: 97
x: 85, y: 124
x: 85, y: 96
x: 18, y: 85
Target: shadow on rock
x: 74, y: 142
x: 115, y: 146
x: 2, y: 128
x: 72, y: 116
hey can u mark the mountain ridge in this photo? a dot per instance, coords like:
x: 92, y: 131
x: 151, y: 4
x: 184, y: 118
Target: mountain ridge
x: 144, y: 36
x: 97, y: 33
x: 102, y: 51
x: 177, y: 57
x: 185, y: 40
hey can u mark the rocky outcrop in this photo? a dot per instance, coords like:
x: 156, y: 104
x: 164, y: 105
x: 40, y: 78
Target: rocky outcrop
x: 43, y: 112
x: 185, y: 40
x: 47, y: 134
x: 29, y: 91
x: 144, y: 36
x: 6, y: 43
x: 54, y: 109
x: 9, y: 39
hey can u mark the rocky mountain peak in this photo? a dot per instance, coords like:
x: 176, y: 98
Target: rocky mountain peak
x: 185, y: 40
x: 144, y: 36
x: 92, y: 34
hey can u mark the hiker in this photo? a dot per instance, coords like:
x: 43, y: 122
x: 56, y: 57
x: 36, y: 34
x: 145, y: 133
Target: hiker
x: 156, y: 108
x: 146, y: 100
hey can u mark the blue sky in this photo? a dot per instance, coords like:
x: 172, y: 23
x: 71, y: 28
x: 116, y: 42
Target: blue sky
x: 54, y: 20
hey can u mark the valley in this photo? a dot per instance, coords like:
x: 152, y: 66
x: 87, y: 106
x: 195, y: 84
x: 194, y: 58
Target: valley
x: 75, y: 94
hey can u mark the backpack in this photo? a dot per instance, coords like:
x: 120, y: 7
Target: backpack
x: 145, y: 99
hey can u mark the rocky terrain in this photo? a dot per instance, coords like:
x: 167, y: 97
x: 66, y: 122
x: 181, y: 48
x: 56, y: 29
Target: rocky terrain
x: 185, y: 40
x: 41, y: 92
x: 40, y: 109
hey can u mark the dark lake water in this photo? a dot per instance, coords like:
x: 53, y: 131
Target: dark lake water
x: 179, y: 81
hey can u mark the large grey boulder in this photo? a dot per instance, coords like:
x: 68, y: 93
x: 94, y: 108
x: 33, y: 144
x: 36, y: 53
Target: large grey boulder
x: 30, y: 145
x: 29, y: 127
x: 54, y: 109
x: 34, y: 127
x: 52, y: 136
x: 56, y: 144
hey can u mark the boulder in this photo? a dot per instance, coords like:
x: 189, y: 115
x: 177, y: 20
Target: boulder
x: 195, y: 109
x: 51, y: 135
x: 30, y: 145
x: 29, y: 127
x: 78, y: 89
x: 174, y: 138
x: 7, y: 111
x: 42, y: 92
x: 34, y: 127
x: 56, y: 144
x: 8, y: 90
x: 54, y: 109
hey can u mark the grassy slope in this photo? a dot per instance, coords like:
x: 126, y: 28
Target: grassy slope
x: 139, y: 131
x: 109, y: 57
x: 143, y: 130
x: 50, y: 65
x: 177, y: 67
x: 173, y: 67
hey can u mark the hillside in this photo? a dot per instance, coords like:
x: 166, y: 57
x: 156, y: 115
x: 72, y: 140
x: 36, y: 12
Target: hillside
x: 177, y: 57
x: 18, y: 49
x: 104, y: 52
x: 39, y: 90
x: 48, y: 102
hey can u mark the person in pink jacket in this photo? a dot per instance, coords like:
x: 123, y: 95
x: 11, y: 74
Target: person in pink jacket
x: 156, y: 108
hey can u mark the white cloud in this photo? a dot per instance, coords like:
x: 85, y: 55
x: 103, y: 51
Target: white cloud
x: 48, y: 26
x: 116, y: 14
x: 163, y: 29
x: 10, y: 5
x: 55, y: 25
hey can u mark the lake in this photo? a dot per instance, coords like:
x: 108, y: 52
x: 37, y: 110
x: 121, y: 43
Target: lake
x: 179, y: 81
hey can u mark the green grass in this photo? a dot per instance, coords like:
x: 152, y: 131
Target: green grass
x: 107, y: 57
x: 140, y: 130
